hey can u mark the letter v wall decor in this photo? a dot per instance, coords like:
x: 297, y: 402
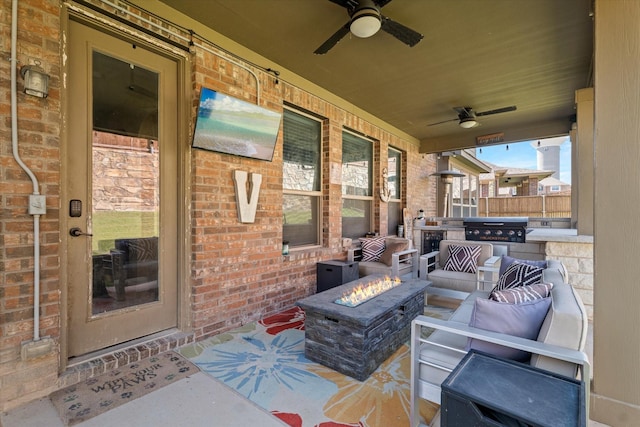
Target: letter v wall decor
x: 247, y: 208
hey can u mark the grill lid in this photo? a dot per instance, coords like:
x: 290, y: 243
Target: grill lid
x: 514, y: 221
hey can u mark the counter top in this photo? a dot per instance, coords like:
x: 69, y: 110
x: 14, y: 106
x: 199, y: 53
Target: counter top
x: 438, y: 227
x: 557, y: 235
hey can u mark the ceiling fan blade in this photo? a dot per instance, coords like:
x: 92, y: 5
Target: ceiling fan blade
x: 497, y: 111
x: 349, y: 4
x: 404, y: 34
x: 444, y: 121
x: 333, y: 40
x: 381, y: 3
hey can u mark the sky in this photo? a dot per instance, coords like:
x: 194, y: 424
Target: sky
x: 523, y: 155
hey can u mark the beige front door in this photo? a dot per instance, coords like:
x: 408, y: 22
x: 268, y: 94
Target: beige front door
x: 120, y: 201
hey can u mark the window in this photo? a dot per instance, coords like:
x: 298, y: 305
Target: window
x: 464, y: 195
x: 394, y: 175
x: 357, y: 186
x: 301, y: 179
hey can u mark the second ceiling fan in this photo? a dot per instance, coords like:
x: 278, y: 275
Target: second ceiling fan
x: 467, y: 117
x: 365, y: 21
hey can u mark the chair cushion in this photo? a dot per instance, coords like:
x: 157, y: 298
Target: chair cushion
x: 390, y: 249
x: 463, y: 259
x: 521, y: 320
x: 506, y: 261
x: 522, y: 293
x: 372, y: 248
x: 519, y: 274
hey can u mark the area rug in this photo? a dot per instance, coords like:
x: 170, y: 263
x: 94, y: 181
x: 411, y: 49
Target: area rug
x: 264, y: 361
x: 85, y: 400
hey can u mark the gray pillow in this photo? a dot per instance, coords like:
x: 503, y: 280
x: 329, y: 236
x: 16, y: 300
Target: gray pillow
x: 506, y: 261
x: 520, y: 320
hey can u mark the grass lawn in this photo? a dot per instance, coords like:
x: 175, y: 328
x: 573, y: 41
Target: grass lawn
x: 110, y: 225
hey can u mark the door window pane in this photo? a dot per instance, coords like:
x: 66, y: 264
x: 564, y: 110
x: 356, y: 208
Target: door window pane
x: 125, y: 185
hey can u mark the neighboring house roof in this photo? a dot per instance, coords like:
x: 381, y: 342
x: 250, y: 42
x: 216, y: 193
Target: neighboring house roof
x: 553, y: 181
x: 510, y: 177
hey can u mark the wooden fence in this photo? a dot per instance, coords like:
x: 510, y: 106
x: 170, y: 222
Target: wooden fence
x: 531, y: 206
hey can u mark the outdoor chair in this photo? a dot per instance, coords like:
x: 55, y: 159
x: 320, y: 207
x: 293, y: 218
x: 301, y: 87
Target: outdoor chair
x: 390, y: 255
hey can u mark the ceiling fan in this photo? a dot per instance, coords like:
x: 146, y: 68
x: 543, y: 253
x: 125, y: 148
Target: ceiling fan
x: 365, y: 21
x: 467, y: 117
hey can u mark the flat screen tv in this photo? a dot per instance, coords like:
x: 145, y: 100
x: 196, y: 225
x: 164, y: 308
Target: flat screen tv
x: 229, y: 125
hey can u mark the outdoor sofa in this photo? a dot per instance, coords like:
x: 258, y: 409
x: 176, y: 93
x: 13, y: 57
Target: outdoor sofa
x: 558, y: 347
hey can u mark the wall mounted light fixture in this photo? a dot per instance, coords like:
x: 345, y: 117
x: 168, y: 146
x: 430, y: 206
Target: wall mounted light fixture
x: 36, y: 81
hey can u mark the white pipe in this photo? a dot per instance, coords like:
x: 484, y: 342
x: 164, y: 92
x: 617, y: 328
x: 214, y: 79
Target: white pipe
x: 34, y: 180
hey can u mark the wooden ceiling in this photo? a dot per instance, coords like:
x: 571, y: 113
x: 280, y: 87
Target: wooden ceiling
x: 484, y: 54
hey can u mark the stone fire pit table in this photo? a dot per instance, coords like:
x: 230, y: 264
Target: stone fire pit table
x: 356, y: 340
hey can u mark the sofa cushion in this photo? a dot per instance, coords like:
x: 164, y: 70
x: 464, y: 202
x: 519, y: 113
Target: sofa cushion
x: 521, y: 320
x: 519, y: 274
x: 372, y: 248
x: 466, y: 282
x: 390, y: 249
x: 463, y: 259
x: 522, y: 293
x: 506, y: 261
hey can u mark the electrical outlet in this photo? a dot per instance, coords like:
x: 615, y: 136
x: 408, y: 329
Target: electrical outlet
x: 37, y: 204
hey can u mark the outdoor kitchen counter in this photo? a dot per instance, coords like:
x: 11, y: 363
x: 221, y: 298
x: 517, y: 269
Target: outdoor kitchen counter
x: 557, y: 235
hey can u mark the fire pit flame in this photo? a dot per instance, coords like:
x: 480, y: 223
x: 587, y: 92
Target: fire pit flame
x: 365, y: 292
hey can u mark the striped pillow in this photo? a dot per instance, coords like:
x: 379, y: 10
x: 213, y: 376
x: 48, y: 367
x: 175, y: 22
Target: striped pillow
x: 522, y: 293
x: 519, y: 274
x: 372, y: 248
x: 463, y: 258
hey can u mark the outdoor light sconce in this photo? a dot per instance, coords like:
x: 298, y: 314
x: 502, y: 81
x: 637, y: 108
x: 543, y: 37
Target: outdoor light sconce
x: 36, y: 81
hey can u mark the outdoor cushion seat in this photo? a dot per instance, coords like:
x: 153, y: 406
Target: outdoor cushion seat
x: 403, y: 262
x: 457, y: 284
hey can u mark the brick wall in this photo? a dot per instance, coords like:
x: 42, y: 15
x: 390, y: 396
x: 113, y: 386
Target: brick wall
x: 237, y: 271
x: 39, y: 123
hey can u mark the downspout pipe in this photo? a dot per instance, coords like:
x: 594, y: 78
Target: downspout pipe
x: 34, y: 180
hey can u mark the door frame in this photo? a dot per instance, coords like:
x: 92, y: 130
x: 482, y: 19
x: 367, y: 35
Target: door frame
x: 183, y: 63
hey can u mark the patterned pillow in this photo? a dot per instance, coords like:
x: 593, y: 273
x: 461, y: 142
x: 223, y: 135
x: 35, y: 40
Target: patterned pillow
x: 463, y: 258
x: 506, y: 261
x: 143, y: 249
x: 522, y: 293
x: 519, y: 274
x: 372, y: 248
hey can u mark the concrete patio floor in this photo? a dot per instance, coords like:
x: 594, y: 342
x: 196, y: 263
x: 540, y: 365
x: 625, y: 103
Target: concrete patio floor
x: 198, y: 400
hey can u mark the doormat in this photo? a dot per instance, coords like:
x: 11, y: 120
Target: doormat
x: 89, y: 398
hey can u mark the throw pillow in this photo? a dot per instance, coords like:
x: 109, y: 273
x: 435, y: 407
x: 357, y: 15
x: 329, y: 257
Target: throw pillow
x: 506, y: 261
x: 522, y: 293
x: 463, y: 258
x: 518, y: 274
x: 391, y: 249
x: 520, y: 320
x: 372, y: 248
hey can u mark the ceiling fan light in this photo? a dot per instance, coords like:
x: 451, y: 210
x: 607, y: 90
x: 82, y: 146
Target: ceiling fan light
x: 365, y: 22
x: 468, y: 122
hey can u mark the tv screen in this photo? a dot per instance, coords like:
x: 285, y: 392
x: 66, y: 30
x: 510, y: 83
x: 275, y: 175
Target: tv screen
x: 229, y: 125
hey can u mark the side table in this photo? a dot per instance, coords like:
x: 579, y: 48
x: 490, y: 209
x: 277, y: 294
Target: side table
x: 484, y: 390
x: 334, y: 273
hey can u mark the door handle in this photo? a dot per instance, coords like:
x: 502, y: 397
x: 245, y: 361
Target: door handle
x: 76, y: 232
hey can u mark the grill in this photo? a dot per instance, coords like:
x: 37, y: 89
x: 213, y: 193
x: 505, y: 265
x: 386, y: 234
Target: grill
x: 512, y: 229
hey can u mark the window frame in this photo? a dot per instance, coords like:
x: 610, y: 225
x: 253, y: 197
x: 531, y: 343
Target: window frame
x: 371, y: 180
x: 317, y: 194
x: 395, y: 202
